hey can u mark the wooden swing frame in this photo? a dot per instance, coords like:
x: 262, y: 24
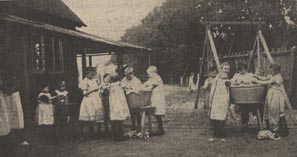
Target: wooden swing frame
x: 209, y: 49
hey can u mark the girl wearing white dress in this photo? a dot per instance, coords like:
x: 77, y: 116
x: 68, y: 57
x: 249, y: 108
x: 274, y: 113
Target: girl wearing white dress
x: 91, y: 109
x: 155, y: 83
x: 45, y: 112
x: 219, y: 102
x: 276, y: 102
x: 118, y: 107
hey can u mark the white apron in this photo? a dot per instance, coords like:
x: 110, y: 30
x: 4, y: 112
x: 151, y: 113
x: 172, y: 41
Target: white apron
x: 91, y: 108
x: 158, y: 95
x: 15, y: 110
x: 219, y: 100
x: 118, y: 106
x: 4, y: 121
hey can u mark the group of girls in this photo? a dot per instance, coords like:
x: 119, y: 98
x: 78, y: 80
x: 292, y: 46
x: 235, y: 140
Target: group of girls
x: 106, y: 101
x: 51, y: 114
x: 273, y: 111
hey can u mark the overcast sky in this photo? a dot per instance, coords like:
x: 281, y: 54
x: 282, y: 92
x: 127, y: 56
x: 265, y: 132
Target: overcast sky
x: 110, y: 18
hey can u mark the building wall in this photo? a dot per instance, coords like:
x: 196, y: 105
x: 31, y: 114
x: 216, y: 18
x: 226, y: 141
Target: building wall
x: 16, y: 61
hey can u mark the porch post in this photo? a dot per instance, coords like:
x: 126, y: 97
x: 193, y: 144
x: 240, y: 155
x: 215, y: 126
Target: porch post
x: 149, y: 58
x: 120, y: 64
x: 90, y: 61
x: 84, y: 62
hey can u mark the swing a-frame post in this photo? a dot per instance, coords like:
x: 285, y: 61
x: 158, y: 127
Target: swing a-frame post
x: 209, y: 49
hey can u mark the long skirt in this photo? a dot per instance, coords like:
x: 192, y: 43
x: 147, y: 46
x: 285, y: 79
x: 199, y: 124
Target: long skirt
x: 45, y: 114
x: 4, y: 120
x: 91, y: 108
x: 15, y: 110
x: 274, y: 105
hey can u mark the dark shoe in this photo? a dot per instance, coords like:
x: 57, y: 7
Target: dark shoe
x: 283, y: 127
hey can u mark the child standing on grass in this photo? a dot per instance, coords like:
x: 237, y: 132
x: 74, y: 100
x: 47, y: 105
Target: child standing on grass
x: 242, y: 77
x: 131, y: 84
x: 45, y: 112
x: 219, y: 102
x: 61, y: 110
x: 105, y: 99
x: 118, y: 107
x: 155, y: 83
x: 91, y: 109
x: 207, y: 85
x: 275, y: 103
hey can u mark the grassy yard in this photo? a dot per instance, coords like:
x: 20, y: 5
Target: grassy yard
x: 186, y: 136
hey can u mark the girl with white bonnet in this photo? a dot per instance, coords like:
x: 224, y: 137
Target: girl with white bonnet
x: 155, y: 83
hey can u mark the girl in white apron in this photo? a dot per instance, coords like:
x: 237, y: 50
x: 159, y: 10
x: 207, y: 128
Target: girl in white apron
x: 45, y: 113
x: 155, y: 83
x: 118, y: 107
x: 91, y: 109
x: 275, y: 103
x: 219, y: 102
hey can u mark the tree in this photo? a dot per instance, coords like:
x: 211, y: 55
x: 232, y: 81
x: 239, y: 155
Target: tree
x: 175, y: 33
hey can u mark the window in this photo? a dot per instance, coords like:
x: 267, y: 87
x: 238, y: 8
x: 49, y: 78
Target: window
x: 47, y: 54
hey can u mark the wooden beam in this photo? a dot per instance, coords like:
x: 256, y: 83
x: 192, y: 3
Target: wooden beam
x: 266, y: 50
x: 258, y: 51
x: 213, y: 50
x: 120, y: 64
x: 252, y: 56
x: 232, y: 23
x: 201, y: 72
x: 148, y: 58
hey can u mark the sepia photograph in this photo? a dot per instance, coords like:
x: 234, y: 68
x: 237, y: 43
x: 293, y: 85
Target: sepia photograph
x: 148, y: 78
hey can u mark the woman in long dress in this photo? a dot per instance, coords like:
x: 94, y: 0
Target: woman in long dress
x: 155, y: 83
x: 91, y: 109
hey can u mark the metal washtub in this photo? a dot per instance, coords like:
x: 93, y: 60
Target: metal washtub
x: 139, y: 100
x: 248, y: 94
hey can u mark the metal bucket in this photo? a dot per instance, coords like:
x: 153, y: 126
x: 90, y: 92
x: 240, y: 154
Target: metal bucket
x: 139, y: 100
x: 253, y: 94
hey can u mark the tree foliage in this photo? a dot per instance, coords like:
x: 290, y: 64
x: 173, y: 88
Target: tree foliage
x: 176, y: 35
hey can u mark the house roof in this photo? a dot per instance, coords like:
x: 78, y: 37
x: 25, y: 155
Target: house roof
x: 110, y: 44
x: 53, y: 7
